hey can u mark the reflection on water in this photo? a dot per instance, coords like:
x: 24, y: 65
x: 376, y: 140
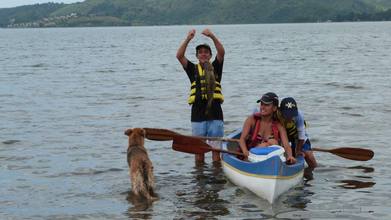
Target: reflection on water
x: 209, y: 182
x: 356, y: 184
x: 297, y: 197
x: 363, y: 168
x: 140, y: 209
x: 203, y: 194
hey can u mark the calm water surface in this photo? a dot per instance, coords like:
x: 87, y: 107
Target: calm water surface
x: 67, y: 95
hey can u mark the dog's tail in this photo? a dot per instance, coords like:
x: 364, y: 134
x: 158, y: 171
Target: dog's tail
x: 143, y: 181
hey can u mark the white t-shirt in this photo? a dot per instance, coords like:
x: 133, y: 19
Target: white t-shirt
x: 299, y: 121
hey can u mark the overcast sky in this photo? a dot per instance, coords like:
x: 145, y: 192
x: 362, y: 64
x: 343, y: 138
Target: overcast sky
x: 14, y: 3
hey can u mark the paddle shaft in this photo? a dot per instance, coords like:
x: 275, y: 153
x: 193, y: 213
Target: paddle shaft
x: 160, y: 134
x: 352, y: 153
x: 193, y: 145
x: 217, y: 139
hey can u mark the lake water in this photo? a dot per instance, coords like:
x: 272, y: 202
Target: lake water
x: 67, y: 95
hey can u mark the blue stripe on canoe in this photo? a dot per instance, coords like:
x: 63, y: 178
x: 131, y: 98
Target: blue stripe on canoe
x: 263, y: 150
x: 270, y: 167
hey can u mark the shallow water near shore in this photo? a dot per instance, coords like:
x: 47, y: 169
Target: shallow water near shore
x: 67, y: 95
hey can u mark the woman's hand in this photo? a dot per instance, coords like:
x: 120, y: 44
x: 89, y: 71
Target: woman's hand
x: 245, y: 155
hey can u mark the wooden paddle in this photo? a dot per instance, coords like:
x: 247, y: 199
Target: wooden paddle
x: 161, y: 134
x: 351, y: 153
x: 158, y: 134
x: 194, y: 145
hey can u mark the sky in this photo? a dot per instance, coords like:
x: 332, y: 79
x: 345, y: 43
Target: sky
x: 14, y: 3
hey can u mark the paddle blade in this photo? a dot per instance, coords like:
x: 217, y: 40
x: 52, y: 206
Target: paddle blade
x: 190, y: 145
x: 351, y: 153
x: 159, y: 134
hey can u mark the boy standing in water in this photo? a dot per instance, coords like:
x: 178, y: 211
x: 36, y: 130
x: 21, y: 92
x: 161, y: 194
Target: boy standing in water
x: 293, y: 121
x: 205, y: 96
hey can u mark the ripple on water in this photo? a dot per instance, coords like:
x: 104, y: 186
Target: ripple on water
x: 106, y: 71
x: 84, y: 172
x: 18, y: 158
x: 19, y: 167
x: 9, y: 142
x: 356, y: 184
x: 344, y: 86
x: 38, y: 65
x: 353, y: 114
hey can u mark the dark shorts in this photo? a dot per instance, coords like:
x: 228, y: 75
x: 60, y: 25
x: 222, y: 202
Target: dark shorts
x: 306, y: 146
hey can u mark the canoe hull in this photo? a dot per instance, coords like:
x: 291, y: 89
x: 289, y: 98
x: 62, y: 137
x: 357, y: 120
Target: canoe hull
x: 268, y: 179
x: 264, y: 186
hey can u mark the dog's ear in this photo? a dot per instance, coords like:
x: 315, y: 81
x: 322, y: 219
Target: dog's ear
x: 128, y: 132
x: 140, y: 131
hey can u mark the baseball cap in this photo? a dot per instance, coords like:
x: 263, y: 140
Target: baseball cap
x: 269, y: 98
x: 288, y: 107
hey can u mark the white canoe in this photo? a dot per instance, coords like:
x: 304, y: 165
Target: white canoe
x: 268, y: 178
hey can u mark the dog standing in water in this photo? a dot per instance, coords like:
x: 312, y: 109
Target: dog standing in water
x: 140, y: 166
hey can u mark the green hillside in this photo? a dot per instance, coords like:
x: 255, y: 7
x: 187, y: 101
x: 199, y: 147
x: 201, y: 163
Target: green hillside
x: 173, y: 12
x: 27, y: 13
x: 380, y: 4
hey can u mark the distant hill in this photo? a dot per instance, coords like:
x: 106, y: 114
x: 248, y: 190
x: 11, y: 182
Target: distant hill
x: 381, y: 4
x: 174, y: 12
x: 27, y: 13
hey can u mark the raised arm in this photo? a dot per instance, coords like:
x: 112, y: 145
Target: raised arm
x: 285, y: 143
x: 217, y: 43
x: 180, y: 55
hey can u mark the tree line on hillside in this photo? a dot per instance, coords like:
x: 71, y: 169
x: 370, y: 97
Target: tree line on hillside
x: 173, y: 12
x: 27, y: 13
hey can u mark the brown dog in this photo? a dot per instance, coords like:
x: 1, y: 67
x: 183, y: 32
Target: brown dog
x: 140, y: 166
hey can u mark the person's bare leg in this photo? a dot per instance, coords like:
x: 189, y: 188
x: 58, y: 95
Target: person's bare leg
x: 215, y: 156
x: 199, y: 158
x: 310, y: 159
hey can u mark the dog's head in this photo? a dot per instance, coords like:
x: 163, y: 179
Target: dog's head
x: 136, y: 136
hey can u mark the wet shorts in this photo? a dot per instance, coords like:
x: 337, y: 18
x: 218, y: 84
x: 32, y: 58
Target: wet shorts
x: 213, y: 128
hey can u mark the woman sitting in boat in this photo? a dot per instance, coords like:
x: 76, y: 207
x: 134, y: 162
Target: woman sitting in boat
x: 262, y: 129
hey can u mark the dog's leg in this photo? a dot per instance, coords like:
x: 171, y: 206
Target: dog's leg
x: 145, y: 183
x: 136, y: 177
x: 150, y: 179
x: 139, y: 186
